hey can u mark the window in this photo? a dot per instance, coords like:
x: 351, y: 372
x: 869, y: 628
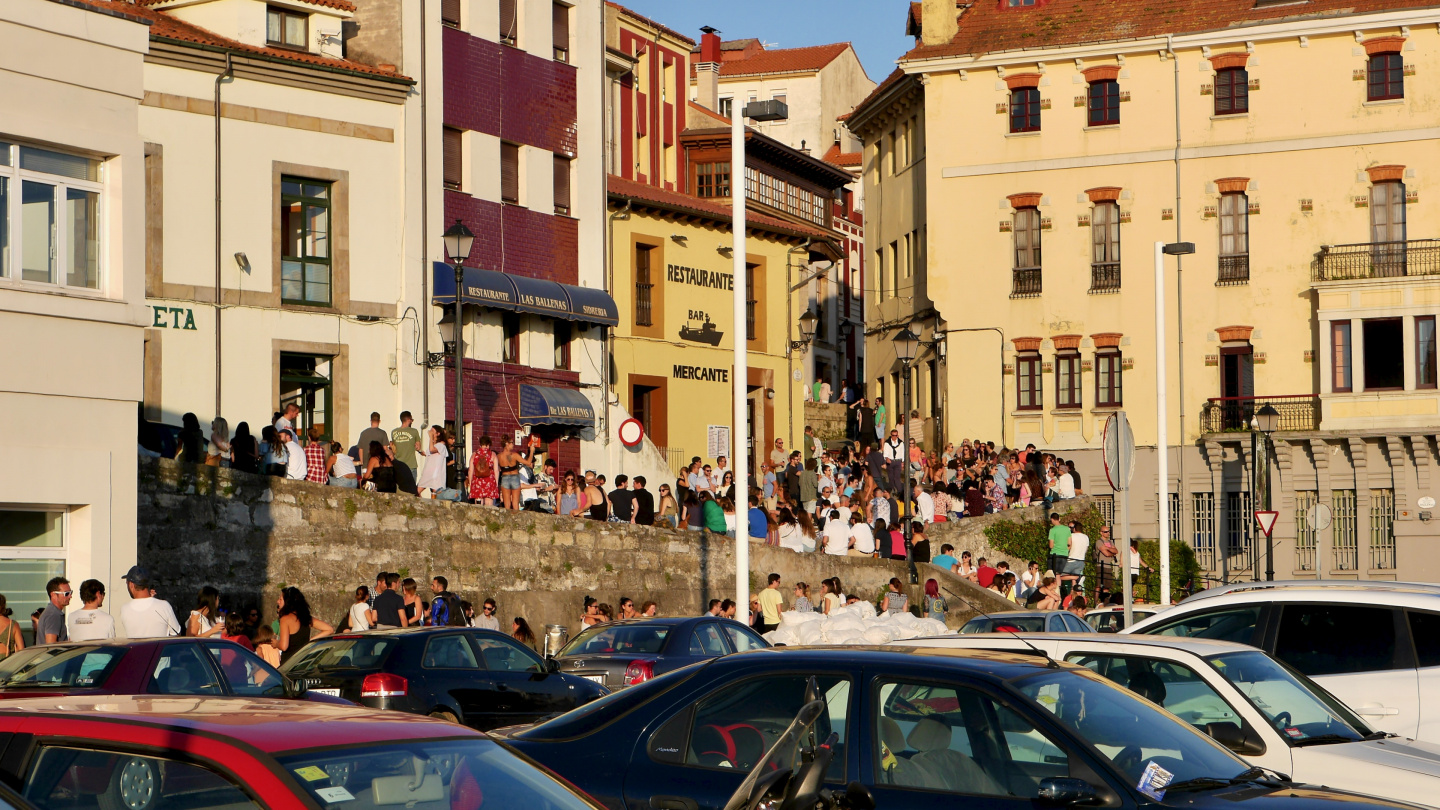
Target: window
x: 501, y: 655
x: 750, y: 300
x: 1232, y: 91
x: 508, y: 23
x: 1234, y: 238
x: 1386, y: 77
x: 1109, y: 388
x: 32, y: 550
x: 131, y: 780
x: 450, y: 651
x: 562, y: 185
x: 780, y: 97
x: 450, y: 13
x: 1027, y: 381
x: 1425, y: 630
x: 644, y: 283
x: 564, y: 333
x: 1425, y: 351
x: 1384, y: 359
x: 1104, y: 103
x: 183, y: 670
x: 1105, y: 246
x: 1019, y: 3
x: 57, y: 234
x: 712, y: 179
x: 1025, y: 109
x: 510, y: 327
x: 935, y: 737
x: 305, y: 255
x: 727, y: 106
x: 740, y: 639
x: 509, y: 172
x: 1382, y: 528
x: 1336, y: 639
x: 1027, y: 252
x: 1340, y: 357
x: 1343, y: 531
x: 1167, y: 683
x: 244, y: 672
x: 560, y: 31
x: 1387, y: 228
x: 734, y: 726
x: 454, y: 158
x: 285, y: 28
x: 1306, y: 533
x: 305, y: 381
x: 706, y: 640
x: 1067, y: 379
x: 1226, y: 624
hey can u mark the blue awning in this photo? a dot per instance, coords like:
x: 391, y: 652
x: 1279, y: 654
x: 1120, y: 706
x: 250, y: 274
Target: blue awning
x: 489, y: 288
x: 542, y: 405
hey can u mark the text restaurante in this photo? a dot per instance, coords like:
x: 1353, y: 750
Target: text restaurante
x: 699, y: 278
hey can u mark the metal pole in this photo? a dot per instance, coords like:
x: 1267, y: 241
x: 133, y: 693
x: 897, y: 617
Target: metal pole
x: 459, y: 370
x: 1254, y: 489
x: 1269, y: 537
x: 906, y: 498
x: 739, y: 460
x: 228, y: 73
x: 1162, y: 438
x: 1122, y: 423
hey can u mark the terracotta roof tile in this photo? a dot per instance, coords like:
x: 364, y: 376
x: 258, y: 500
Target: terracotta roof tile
x: 838, y: 158
x: 620, y: 187
x: 990, y: 26
x: 784, y: 60
x: 657, y: 26
x: 342, y: 5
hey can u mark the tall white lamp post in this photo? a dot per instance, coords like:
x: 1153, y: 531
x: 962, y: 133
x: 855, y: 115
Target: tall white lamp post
x: 1162, y: 438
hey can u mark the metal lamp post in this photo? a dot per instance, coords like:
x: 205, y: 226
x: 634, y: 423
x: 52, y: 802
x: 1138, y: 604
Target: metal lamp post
x: 1162, y: 417
x: 458, y: 240
x: 772, y: 110
x: 1267, y: 420
x: 906, y: 344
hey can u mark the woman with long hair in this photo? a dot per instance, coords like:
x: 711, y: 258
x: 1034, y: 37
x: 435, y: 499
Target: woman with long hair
x: 668, y: 512
x: 694, y: 515
x: 244, y: 450
x: 11, y: 640
x: 809, y: 533
x: 217, y: 454
x: 205, y: 619
x: 508, y: 461
x: 727, y: 486
x: 340, y: 467
x: 380, y: 469
x: 360, y: 613
x: 572, y: 499
x: 272, y: 453
x: 521, y: 632
x: 802, y: 599
x: 414, y: 610
x: 297, y: 626
x: 432, y: 474
x: 481, y: 481
x: 190, y: 447
x: 789, y: 532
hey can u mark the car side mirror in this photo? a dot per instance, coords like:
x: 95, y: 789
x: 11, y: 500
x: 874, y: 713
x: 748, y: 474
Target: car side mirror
x: 1067, y: 791
x: 295, y: 687
x: 1238, y: 740
x: 551, y: 665
x: 857, y: 797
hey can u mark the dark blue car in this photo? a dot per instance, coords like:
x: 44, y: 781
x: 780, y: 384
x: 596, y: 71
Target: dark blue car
x: 920, y: 728
x: 624, y: 653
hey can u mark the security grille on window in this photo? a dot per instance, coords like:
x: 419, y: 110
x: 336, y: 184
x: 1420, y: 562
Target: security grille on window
x: 750, y: 301
x: 1234, y: 238
x: 1028, y: 381
x: 1104, y: 103
x: 55, y: 239
x: 285, y: 28
x: 1025, y: 109
x: 1105, y: 246
x: 1067, y: 379
x: 1386, y: 77
x: 1026, y: 227
x: 1109, y: 387
x: 643, y: 286
x: 1232, y: 91
x: 305, y: 254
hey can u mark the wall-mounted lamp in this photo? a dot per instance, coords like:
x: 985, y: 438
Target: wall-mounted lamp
x: 243, y: 261
x: 724, y: 250
x: 808, y: 322
x: 679, y: 239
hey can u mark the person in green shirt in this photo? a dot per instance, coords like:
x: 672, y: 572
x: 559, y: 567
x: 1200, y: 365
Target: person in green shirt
x: 403, y: 440
x: 712, y: 514
x: 1059, y: 544
x: 771, y: 603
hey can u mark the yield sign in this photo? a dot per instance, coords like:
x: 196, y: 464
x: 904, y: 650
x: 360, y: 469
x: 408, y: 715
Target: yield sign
x: 1266, y: 521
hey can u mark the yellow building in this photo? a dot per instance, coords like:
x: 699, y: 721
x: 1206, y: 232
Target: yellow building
x: 670, y: 253
x: 1291, y: 147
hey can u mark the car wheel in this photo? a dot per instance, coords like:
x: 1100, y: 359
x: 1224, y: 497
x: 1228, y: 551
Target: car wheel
x: 445, y: 714
x: 134, y: 785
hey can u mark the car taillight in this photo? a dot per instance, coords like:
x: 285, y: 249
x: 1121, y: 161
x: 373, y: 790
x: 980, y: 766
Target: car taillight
x: 383, y: 684
x: 639, y: 672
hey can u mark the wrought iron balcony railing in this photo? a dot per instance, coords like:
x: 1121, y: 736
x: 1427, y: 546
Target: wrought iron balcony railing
x: 1027, y: 282
x: 1416, y: 257
x: 1104, y: 276
x: 1229, y: 414
x: 1234, y: 269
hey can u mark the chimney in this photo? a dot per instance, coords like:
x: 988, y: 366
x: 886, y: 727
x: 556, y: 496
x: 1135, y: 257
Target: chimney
x: 938, y: 22
x: 707, y: 70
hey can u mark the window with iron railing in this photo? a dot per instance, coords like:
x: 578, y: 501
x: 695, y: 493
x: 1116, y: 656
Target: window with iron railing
x: 750, y: 300
x: 1234, y: 238
x: 1382, y: 528
x: 1026, y: 228
x: 1239, y: 531
x: 1105, y: 247
x: 643, y: 286
x: 1202, y: 524
x: 1343, y: 530
x: 1305, y: 533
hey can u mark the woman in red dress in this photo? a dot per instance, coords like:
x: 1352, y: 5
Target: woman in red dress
x: 481, y: 481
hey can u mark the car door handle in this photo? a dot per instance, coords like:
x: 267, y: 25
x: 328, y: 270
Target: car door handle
x: 1374, y: 710
x: 673, y: 803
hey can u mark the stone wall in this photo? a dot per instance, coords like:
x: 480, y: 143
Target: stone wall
x: 968, y: 534
x: 828, y: 419
x: 252, y: 535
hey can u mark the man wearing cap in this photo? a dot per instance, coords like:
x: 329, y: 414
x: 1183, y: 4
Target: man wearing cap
x: 146, y: 615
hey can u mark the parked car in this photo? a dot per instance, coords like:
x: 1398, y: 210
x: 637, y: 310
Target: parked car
x: 624, y: 653
x: 1027, y: 621
x: 203, y: 753
x: 480, y: 678
x: 1111, y: 618
x: 914, y: 726
x: 1256, y: 706
x: 159, y: 666
x: 1376, y: 646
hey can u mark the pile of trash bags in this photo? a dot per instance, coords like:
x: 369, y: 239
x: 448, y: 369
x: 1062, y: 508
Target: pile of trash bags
x: 853, y: 624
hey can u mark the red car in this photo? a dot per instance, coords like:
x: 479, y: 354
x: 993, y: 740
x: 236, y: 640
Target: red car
x: 200, y: 753
x: 159, y: 666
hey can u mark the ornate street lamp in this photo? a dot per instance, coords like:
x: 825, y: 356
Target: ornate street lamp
x: 907, y: 343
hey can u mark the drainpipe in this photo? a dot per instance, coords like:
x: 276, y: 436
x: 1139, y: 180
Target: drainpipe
x: 425, y: 308
x: 1179, y: 285
x: 607, y: 356
x: 228, y: 73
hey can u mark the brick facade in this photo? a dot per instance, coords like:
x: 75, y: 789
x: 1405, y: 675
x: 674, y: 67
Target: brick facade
x: 492, y: 404
x: 518, y: 240
x: 508, y: 93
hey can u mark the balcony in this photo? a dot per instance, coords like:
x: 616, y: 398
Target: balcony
x: 1233, y: 414
x: 1234, y: 269
x: 1416, y: 257
x: 1027, y: 282
x: 1104, y: 277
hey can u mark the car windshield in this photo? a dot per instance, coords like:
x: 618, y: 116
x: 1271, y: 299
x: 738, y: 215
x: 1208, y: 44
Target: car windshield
x: 1293, y: 704
x: 601, y: 712
x: 1005, y: 624
x: 622, y: 638
x: 341, y: 652
x: 52, y: 666
x: 1126, y: 729
x: 474, y: 774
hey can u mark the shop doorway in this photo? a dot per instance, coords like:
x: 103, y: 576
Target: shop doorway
x: 306, y: 380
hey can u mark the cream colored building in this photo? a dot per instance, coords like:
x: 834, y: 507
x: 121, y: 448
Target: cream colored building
x: 1293, y: 151
x: 72, y: 236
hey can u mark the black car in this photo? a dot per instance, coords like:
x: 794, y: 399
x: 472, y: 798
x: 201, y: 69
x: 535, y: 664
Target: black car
x: 481, y: 678
x: 624, y: 653
x: 920, y: 728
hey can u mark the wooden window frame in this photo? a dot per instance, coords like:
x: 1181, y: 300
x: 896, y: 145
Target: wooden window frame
x: 1105, y: 245
x: 285, y: 14
x: 1109, y: 379
x: 1390, y: 67
x: 453, y: 158
x: 510, y: 188
x: 1102, y: 98
x: 1069, y: 386
x: 645, y: 285
x: 1335, y: 349
x: 1230, y: 269
x: 751, y: 302
x: 1029, y: 379
x: 1025, y: 109
x: 1235, y: 99
x: 712, y: 179
x: 1421, y: 366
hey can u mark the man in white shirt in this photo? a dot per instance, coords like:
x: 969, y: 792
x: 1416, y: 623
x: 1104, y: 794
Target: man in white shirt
x: 1074, y: 572
x: 1064, y: 486
x: 145, y: 615
x: 862, y: 538
x: 295, y: 467
x: 287, y: 421
x: 90, y: 623
x: 925, y: 505
x: 837, y: 535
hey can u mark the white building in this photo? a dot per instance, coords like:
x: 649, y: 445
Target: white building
x: 72, y: 202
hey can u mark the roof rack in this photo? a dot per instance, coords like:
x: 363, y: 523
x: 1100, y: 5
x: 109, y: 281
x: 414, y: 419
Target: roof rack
x: 1317, y: 584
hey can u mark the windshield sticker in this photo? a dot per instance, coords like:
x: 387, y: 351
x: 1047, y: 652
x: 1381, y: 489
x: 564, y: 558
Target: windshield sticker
x: 334, y: 794
x: 1154, y: 780
x: 310, y: 773
x: 1259, y: 702
x: 1294, y: 733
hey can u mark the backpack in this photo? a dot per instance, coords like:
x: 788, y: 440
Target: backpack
x: 446, y: 611
x: 483, y: 468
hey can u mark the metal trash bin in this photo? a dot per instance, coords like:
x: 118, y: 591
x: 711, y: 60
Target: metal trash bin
x: 555, y: 637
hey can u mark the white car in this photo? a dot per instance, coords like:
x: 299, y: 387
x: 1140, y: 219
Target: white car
x: 1247, y: 701
x: 1374, y: 645
x: 1111, y: 618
